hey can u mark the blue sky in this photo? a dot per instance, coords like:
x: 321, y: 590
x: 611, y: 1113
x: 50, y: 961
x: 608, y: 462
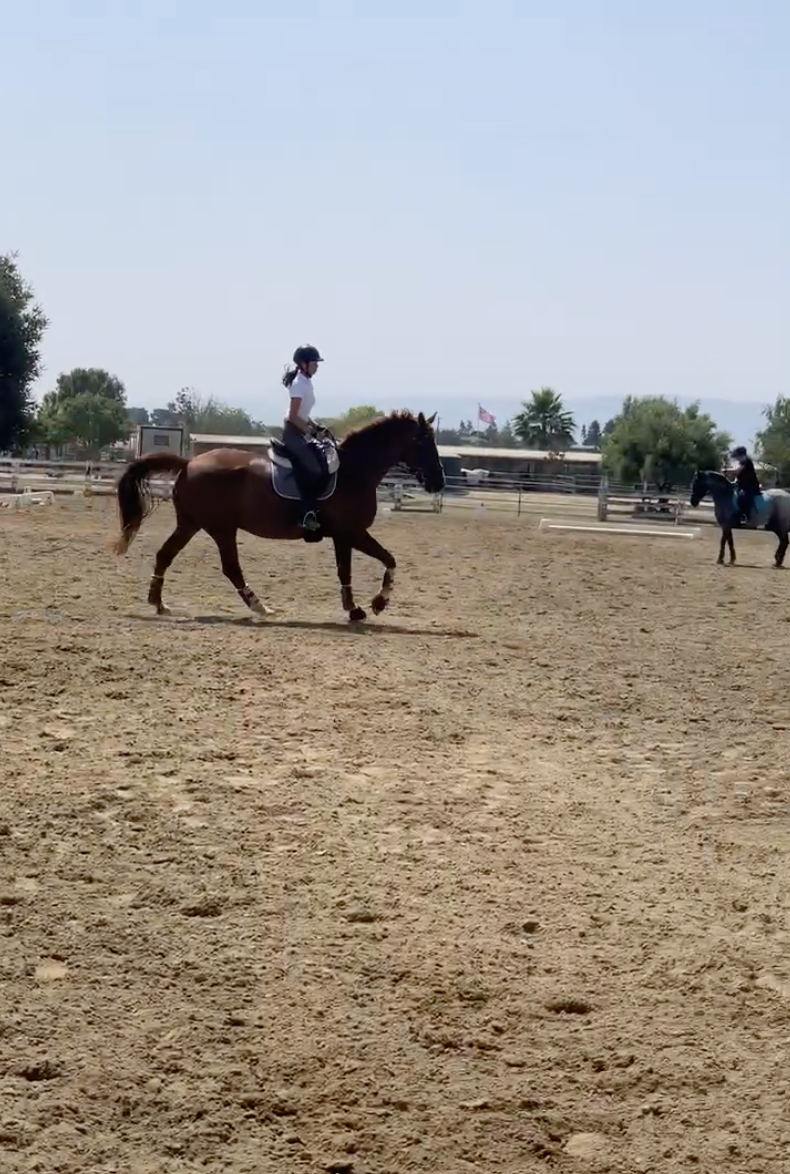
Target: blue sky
x: 456, y: 202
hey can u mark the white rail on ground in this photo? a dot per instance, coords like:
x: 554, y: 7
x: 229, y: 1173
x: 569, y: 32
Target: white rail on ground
x: 620, y: 529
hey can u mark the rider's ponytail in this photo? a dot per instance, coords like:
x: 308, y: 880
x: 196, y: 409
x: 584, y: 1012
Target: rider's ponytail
x: 289, y: 376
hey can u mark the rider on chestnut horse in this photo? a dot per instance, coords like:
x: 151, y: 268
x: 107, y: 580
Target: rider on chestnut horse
x: 226, y: 490
x: 299, y: 434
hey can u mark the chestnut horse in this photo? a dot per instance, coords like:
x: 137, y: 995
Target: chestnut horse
x: 227, y: 490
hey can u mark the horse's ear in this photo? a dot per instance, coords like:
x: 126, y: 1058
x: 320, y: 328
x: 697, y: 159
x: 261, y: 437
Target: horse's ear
x: 432, y: 418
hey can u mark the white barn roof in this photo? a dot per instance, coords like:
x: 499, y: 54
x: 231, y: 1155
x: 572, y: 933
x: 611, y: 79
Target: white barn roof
x: 229, y: 441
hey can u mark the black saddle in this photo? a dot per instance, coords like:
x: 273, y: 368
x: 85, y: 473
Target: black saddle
x: 289, y: 479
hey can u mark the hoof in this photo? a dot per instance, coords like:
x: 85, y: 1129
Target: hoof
x: 262, y: 610
x: 162, y: 609
x: 379, y: 604
x: 357, y: 615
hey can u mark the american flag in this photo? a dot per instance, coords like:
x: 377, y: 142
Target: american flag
x: 485, y: 416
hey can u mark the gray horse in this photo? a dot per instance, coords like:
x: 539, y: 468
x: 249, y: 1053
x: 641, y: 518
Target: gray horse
x: 770, y: 511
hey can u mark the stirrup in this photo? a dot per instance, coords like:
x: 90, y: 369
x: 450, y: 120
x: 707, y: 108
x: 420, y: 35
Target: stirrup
x: 310, y: 522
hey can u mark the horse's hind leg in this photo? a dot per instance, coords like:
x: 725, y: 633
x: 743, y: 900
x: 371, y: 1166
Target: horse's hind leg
x: 231, y: 568
x: 164, y: 557
x: 781, y: 550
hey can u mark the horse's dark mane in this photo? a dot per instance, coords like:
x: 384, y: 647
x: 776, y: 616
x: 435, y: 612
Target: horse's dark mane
x: 377, y: 431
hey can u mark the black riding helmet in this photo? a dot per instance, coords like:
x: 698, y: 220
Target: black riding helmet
x: 739, y: 453
x: 307, y: 354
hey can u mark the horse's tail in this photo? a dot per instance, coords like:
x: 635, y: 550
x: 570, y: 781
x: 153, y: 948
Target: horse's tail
x: 135, y: 500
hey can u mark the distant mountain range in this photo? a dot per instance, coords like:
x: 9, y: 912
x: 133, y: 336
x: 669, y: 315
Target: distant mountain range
x: 741, y: 420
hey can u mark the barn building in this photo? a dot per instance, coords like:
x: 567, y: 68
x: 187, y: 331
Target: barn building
x: 519, y: 464
x: 203, y: 442
x: 522, y: 463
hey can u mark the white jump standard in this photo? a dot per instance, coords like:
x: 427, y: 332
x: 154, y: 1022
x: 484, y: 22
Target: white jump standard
x: 25, y: 499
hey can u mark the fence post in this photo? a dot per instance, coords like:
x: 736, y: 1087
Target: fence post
x: 603, y: 491
x: 518, y: 515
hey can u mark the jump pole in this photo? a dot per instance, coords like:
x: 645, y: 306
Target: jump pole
x: 21, y: 500
x: 632, y: 531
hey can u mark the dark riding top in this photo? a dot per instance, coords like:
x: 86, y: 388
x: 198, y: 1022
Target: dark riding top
x: 747, y: 479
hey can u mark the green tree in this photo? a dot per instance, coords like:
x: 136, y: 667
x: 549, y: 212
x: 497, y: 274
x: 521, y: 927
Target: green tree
x: 22, y: 326
x: 448, y: 436
x: 773, y: 442
x: 90, y: 421
x: 543, y: 421
x: 90, y: 381
x: 138, y: 416
x: 87, y: 408
x: 164, y: 418
x: 654, y: 439
x: 505, y: 436
x: 592, y: 438
x: 466, y: 433
x: 208, y: 415
x: 355, y: 417
x: 358, y: 416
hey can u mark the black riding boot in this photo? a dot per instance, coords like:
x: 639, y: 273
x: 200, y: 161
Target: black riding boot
x: 310, y: 525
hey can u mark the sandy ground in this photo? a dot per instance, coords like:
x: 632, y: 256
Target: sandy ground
x: 496, y: 883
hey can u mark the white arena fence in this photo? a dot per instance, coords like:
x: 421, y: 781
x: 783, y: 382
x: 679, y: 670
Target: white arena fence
x: 649, y: 503
x: 579, y: 495
x: 70, y: 478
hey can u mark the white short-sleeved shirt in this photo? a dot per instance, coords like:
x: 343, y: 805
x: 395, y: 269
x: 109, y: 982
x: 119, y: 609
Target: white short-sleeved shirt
x: 302, y: 388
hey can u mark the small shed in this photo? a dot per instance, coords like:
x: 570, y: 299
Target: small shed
x: 153, y: 439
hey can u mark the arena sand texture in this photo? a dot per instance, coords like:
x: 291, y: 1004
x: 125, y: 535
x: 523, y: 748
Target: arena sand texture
x: 495, y: 883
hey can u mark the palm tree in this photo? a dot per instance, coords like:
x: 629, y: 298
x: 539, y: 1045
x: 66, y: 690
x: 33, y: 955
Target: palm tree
x: 544, y: 422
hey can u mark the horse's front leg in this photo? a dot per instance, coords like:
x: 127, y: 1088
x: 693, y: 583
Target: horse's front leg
x: 722, y: 547
x: 343, y: 559
x: 367, y: 544
x: 781, y: 550
x: 726, y: 540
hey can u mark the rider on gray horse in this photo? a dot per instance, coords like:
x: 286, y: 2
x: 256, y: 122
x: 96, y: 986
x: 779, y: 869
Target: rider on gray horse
x: 747, y: 481
x: 299, y: 432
